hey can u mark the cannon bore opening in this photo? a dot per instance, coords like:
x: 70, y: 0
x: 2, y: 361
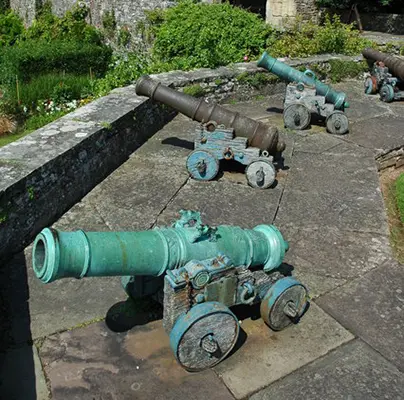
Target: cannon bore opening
x: 39, y: 256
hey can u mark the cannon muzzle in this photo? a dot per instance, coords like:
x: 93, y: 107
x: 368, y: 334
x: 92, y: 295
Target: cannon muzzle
x: 308, y: 77
x: 259, y: 135
x: 394, y: 64
x: 82, y: 254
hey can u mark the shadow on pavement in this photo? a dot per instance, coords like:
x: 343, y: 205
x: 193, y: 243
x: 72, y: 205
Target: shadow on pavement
x: 177, y: 142
x: 17, y: 367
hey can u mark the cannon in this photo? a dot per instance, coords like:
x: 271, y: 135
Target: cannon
x: 305, y: 95
x: 199, y: 272
x: 386, y: 76
x: 222, y: 135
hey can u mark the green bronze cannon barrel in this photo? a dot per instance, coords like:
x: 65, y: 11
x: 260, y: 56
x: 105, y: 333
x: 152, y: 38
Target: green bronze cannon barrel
x: 394, y: 64
x: 81, y: 254
x: 259, y: 135
x: 308, y: 77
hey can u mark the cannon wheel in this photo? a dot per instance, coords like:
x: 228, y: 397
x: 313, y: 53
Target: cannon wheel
x: 260, y: 174
x: 337, y: 123
x: 371, y: 85
x: 202, y: 165
x: 204, y: 336
x: 387, y: 93
x: 284, y: 303
x: 296, y: 116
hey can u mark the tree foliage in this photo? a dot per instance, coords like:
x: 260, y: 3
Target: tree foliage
x: 365, y: 5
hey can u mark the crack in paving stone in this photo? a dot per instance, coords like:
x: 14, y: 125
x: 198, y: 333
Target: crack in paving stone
x: 169, y: 202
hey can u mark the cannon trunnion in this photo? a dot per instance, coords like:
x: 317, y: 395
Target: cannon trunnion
x: 222, y: 135
x: 306, y: 95
x: 200, y: 270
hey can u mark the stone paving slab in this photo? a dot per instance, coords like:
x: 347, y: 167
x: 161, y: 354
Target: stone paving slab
x: 133, y: 196
x: 326, y: 257
x: 363, y: 108
x: 335, y: 190
x: 93, y: 363
x: 224, y: 203
x: 22, y: 368
x: 171, y: 145
x: 384, y: 133
x: 354, y: 371
x: 324, y: 143
x: 372, y: 307
x: 267, y: 356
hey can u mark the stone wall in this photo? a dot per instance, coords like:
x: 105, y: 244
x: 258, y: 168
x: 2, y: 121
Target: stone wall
x: 25, y: 8
x: 127, y: 12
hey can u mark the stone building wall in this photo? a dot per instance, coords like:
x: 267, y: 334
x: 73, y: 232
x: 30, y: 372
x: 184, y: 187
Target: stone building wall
x: 25, y: 8
x: 127, y: 12
x: 280, y: 12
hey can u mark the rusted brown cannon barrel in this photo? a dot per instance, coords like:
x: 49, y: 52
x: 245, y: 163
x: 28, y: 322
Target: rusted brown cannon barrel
x: 394, y: 64
x: 259, y: 135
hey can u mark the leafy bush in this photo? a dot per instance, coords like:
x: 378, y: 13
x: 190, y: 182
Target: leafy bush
x: 193, y: 35
x: 109, y: 22
x: 303, y: 39
x: 32, y: 58
x: 365, y: 5
x: 11, y: 27
x: 124, y: 69
x: 72, y: 26
x: 400, y: 196
x: 124, y: 36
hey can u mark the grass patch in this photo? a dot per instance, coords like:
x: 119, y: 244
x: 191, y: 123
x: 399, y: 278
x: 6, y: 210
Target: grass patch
x: 38, y: 121
x: 346, y: 69
x: 6, y: 139
x: 50, y: 86
x: 194, y: 90
x: 392, y: 182
x: 400, y: 196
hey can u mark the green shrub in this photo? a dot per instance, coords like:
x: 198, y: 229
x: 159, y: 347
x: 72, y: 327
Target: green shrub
x: 109, y: 23
x: 346, y: 69
x: 257, y: 80
x: 148, y: 27
x: 194, y: 35
x: 124, y: 36
x: 11, y: 27
x: 303, y: 39
x: 4, y: 5
x: 123, y: 70
x: 32, y: 58
x: 72, y: 26
x: 400, y: 196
